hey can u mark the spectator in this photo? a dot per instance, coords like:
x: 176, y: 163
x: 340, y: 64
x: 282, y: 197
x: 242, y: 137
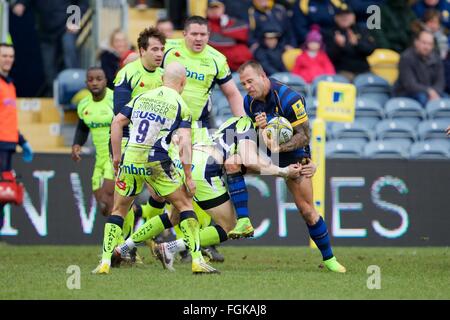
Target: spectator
x: 421, y: 71
x: 264, y: 14
x: 270, y: 51
x: 432, y: 23
x: 55, y: 33
x: 349, y: 44
x: 313, y: 61
x: 166, y: 27
x: 237, y: 9
x: 360, y: 8
x: 310, y: 12
x: 112, y: 57
x: 396, y: 19
x: 443, y: 6
x: 228, y: 35
x: 10, y: 136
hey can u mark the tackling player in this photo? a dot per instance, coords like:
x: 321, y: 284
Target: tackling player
x: 266, y: 99
x: 205, y: 67
x: 155, y: 116
x: 236, y: 137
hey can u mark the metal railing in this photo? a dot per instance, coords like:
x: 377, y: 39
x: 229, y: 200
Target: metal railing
x: 110, y: 15
x: 4, y: 21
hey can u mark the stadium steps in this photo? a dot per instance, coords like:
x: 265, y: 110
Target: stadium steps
x: 39, y: 122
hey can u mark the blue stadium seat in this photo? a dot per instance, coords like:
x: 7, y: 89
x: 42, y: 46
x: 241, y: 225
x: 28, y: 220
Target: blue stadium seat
x: 433, y: 129
x: 371, y: 83
x: 356, y: 129
x: 366, y: 107
x: 237, y: 80
x: 401, y: 143
x: 390, y: 129
x: 436, y: 149
x: 311, y: 107
x: 405, y: 109
x: 216, y: 97
x: 439, y: 108
x: 372, y: 86
x: 66, y: 85
x: 294, y: 81
x: 384, y: 150
x: 345, y: 148
x: 328, y: 78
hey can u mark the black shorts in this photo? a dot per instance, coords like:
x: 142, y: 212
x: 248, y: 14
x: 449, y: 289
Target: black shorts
x: 286, y: 160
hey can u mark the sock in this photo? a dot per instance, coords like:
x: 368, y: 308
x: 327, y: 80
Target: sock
x: 212, y: 235
x: 176, y: 246
x: 126, y: 246
x: 190, y: 228
x: 113, y: 229
x: 178, y: 232
x: 239, y: 194
x: 128, y: 224
x: 319, y: 234
x: 152, y: 228
x: 152, y: 208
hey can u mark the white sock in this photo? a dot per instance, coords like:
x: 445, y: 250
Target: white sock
x: 176, y: 246
x: 106, y: 261
x: 126, y: 246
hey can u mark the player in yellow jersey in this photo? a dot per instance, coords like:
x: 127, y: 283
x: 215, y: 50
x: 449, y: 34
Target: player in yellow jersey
x: 137, y: 77
x: 95, y: 114
x: 206, y: 67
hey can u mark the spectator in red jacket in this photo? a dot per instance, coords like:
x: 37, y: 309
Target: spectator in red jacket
x: 228, y: 35
x: 313, y: 61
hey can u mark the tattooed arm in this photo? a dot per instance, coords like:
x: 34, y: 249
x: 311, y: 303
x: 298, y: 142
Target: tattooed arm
x: 299, y: 140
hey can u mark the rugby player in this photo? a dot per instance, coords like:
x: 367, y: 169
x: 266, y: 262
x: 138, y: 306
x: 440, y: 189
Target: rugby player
x: 266, y: 99
x: 155, y: 116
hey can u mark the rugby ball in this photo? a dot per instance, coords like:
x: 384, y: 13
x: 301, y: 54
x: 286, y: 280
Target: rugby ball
x: 279, y: 129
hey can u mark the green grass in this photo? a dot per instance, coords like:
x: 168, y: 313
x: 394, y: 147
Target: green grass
x: 39, y: 272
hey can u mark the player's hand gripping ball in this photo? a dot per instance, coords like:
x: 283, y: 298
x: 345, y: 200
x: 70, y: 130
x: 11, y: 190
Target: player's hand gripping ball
x: 279, y: 129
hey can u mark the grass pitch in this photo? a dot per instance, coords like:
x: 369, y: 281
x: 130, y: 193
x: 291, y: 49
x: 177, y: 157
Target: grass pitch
x: 39, y: 272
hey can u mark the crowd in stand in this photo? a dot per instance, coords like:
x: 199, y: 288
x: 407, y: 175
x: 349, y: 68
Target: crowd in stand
x: 335, y: 37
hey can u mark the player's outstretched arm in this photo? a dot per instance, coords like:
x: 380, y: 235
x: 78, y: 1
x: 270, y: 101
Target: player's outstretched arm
x: 234, y: 97
x: 119, y: 122
x: 249, y: 154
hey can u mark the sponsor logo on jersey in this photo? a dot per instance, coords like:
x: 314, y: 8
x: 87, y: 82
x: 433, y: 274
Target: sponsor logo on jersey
x: 149, y: 116
x: 95, y: 125
x: 195, y: 75
x: 179, y: 165
x: 132, y: 169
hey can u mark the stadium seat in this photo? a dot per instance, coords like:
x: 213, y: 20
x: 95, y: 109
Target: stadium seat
x: 390, y: 129
x: 435, y: 149
x: 311, y: 107
x: 345, y: 148
x: 328, y: 78
x: 66, y: 85
x: 366, y: 107
x: 405, y: 109
x: 384, y: 150
x: 439, y: 108
x: 401, y: 143
x: 433, y: 129
x: 372, y: 86
x: 384, y: 63
x: 356, y: 129
x: 295, y: 82
x: 237, y: 80
x: 289, y: 57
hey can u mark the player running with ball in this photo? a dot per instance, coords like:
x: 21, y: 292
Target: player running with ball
x: 268, y: 98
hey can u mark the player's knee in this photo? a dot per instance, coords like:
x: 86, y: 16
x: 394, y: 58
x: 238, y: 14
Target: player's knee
x: 233, y: 164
